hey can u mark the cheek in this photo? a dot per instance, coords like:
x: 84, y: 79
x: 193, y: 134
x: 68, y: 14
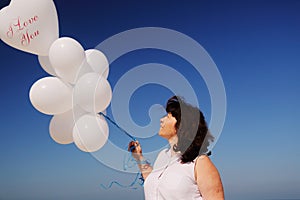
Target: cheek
x: 167, y: 130
x: 171, y: 128
x: 173, y: 125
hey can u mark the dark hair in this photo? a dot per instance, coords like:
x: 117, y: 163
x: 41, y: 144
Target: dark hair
x: 192, y: 131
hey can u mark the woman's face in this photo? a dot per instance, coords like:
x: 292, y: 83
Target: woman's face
x: 167, y: 126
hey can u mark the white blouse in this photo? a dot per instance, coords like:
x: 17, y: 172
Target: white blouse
x: 171, y: 180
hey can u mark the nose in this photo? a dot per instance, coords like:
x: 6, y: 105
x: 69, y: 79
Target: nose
x: 161, y: 120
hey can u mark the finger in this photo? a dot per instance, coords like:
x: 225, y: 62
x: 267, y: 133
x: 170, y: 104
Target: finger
x: 131, y: 146
x: 137, y: 144
x: 138, y: 149
x: 134, y: 146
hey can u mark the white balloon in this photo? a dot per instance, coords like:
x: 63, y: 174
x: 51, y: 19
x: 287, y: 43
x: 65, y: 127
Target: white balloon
x: 66, y: 56
x: 83, y: 69
x: 46, y: 65
x: 92, y: 92
x: 61, y: 126
x: 98, y: 61
x: 90, y: 132
x: 51, y: 96
x: 30, y: 26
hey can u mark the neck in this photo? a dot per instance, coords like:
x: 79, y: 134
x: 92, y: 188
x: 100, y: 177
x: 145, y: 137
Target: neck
x: 172, y: 141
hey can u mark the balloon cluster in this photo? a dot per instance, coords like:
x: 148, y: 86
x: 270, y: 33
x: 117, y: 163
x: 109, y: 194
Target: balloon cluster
x: 77, y: 88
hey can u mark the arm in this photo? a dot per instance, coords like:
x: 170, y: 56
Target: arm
x: 208, y: 179
x: 144, y: 166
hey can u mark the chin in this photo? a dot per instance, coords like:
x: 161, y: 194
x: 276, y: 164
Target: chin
x: 160, y: 133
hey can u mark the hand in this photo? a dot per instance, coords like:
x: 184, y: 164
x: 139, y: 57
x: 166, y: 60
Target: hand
x: 136, y: 150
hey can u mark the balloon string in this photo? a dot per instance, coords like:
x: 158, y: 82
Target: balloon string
x: 125, y: 163
x: 114, y: 123
x: 124, y: 186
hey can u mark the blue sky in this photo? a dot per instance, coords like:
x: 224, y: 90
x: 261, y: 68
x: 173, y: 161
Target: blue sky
x: 255, y: 45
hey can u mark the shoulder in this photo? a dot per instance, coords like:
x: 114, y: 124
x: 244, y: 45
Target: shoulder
x: 203, y: 160
x: 208, y: 178
x: 204, y: 166
x: 163, y: 152
x: 161, y: 159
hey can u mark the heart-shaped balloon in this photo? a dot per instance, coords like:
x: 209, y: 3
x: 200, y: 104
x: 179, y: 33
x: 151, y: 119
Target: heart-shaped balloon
x: 30, y: 25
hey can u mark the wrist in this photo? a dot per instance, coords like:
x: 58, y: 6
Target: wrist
x: 137, y: 157
x: 140, y: 158
x: 142, y: 161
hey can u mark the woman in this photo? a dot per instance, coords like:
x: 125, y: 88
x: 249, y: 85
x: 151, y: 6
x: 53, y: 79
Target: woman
x: 184, y: 171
